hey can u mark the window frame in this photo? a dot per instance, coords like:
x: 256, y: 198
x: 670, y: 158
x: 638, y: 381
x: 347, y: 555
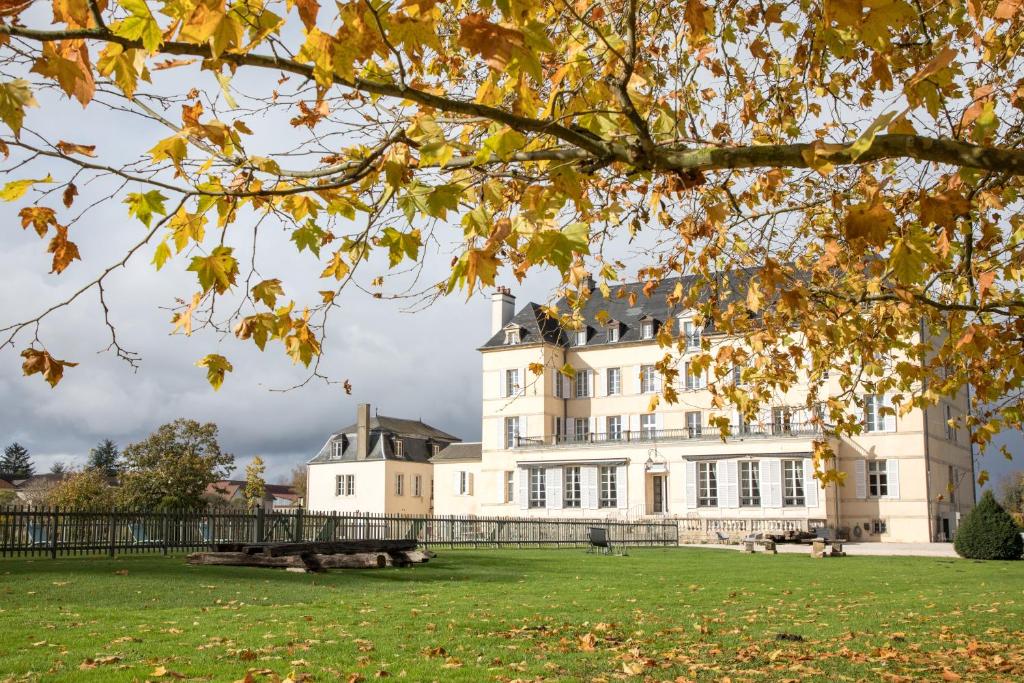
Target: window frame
x: 877, y: 474
x: 793, y: 489
x: 417, y: 486
x: 693, y: 381
x: 537, y: 486
x: 612, y: 334
x: 512, y: 386
x: 580, y: 337
x: 613, y: 388
x: 707, y: 484
x: 512, y: 337
x: 344, y: 485
x: 750, y: 483
x: 647, y: 329
x: 339, y: 449
x: 572, y: 487
x: 608, y: 490
x: 510, y: 486
x: 511, y: 432
x: 399, y: 484
x: 398, y: 446
x: 692, y: 334
x: 782, y: 420
x: 648, y: 379
x: 582, y: 383
x: 581, y: 429
x: 650, y: 430
x: 616, y: 433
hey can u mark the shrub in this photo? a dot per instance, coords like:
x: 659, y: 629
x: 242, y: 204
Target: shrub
x: 988, y: 533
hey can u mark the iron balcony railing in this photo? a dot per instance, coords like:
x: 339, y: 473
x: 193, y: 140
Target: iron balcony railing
x: 773, y: 431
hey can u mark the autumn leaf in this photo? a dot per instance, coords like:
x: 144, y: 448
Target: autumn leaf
x: 14, y: 97
x: 694, y: 14
x: 216, y: 367
x: 64, y: 251
x: 308, y: 10
x: 40, y: 361
x: 267, y: 292
x: 216, y: 271
x: 16, y: 189
x: 498, y: 45
x: 871, y: 222
x: 74, y: 148
x: 145, y: 205
x: 39, y: 217
x: 140, y: 25
x: 943, y: 208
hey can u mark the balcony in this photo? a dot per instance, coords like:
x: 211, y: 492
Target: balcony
x: 647, y: 436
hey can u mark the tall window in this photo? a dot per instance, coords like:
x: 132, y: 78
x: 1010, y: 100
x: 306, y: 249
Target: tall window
x: 614, y: 427
x: 558, y: 427
x: 582, y: 383
x: 793, y: 482
x: 707, y: 484
x: 648, y: 384
x: 510, y: 487
x: 614, y: 381
x: 613, y: 333
x: 782, y: 421
x: 693, y: 423
x: 511, y: 432
x: 417, y: 486
x: 582, y: 428
x: 737, y: 375
x: 511, y: 382
x: 874, y: 421
x: 609, y: 497
x: 750, y: 483
x: 538, y: 496
x: 580, y: 337
x: 694, y: 377
x: 399, y: 447
x: 559, y: 385
x: 952, y: 485
x: 878, y: 479
x: 647, y: 329
x: 572, y: 486
x: 463, y: 484
x: 691, y: 333
x: 648, y: 426
x: 339, y: 448
x: 399, y: 484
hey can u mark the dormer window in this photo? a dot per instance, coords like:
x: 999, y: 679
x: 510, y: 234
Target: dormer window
x: 691, y: 334
x: 612, y: 332
x: 580, y: 337
x: 647, y: 329
x: 399, y: 447
x: 339, y: 448
x: 511, y: 337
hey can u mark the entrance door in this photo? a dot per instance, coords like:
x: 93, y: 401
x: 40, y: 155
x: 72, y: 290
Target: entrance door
x: 660, y: 507
x: 946, y: 535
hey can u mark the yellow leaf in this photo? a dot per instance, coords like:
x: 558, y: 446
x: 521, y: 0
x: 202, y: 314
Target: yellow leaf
x: 14, y: 97
x: 41, y: 361
x: 216, y: 366
x: 870, y: 222
x: 16, y: 189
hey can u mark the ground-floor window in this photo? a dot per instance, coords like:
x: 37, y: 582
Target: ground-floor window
x: 399, y: 484
x: 463, y: 484
x: 417, y: 486
x: 609, y: 488
x: 707, y: 484
x: 793, y: 483
x: 538, y: 496
x: 750, y: 483
x: 572, y: 487
x: 510, y: 487
x: 878, y: 479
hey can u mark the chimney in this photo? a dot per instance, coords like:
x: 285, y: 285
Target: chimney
x: 362, y: 431
x: 503, y: 307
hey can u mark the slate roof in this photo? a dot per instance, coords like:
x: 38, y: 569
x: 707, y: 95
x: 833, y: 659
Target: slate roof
x: 459, y: 452
x: 725, y: 289
x: 417, y: 440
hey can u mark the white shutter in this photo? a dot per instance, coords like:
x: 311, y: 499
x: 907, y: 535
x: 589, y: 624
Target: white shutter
x: 890, y: 420
x: 860, y: 477
x: 593, y: 425
x: 657, y: 381
x: 469, y: 483
x: 590, y: 482
x: 566, y: 386
x: 810, y: 484
x: 729, y: 485
x: 633, y: 375
x: 602, y: 382
x: 522, y: 426
x: 501, y: 384
x: 771, y: 483
x: 553, y: 488
x: 600, y: 425
x: 524, y: 488
x: 522, y: 381
x: 620, y: 487
x: 659, y: 423
x: 892, y: 470
x: 570, y: 427
x: 593, y: 382
x: 691, y: 483
x: 634, y: 426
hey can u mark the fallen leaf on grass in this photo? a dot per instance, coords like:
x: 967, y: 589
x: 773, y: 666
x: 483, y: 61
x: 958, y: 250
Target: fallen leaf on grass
x: 99, y: 661
x: 164, y: 672
x: 587, y: 642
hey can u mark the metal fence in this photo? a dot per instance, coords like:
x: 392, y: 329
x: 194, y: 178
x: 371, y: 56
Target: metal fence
x: 34, y: 531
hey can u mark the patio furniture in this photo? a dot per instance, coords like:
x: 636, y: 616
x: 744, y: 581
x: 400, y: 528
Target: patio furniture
x: 722, y: 538
x: 600, y: 543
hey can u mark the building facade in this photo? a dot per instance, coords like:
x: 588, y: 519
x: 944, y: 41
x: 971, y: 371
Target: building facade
x: 379, y: 465
x: 588, y: 444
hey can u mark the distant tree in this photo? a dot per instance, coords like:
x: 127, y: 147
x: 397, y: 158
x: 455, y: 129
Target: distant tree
x: 1011, y: 495
x: 255, y: 485
x: 173, y: 466
x: 59, y: 467
x: 7, y: 497
x: 85, y: 490
x: 298, y: 481
x: 105, y: 458
x: 16, y: 463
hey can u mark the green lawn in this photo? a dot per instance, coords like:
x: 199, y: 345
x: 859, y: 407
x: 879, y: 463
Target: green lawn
x: 661, y: 615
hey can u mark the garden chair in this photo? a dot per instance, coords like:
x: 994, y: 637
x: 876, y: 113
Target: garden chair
x: 600, y: 543
x: 722, y: 538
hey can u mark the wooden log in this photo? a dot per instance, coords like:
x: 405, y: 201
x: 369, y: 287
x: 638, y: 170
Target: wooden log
x: 354, y: 561
x: 320, y: 548
x: 415, y: 556
x: 239, y: 559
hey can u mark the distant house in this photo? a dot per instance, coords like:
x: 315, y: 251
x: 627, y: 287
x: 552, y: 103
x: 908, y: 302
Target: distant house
x: 456, y: 470
x: 379, y: 464
x: 232, y: 492
x: 33, y: 490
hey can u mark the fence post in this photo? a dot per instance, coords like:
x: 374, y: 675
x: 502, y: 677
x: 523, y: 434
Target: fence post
x: 53, y: 542
x: 298, y: 532
x: 164, y: 529
x: 260, y: 525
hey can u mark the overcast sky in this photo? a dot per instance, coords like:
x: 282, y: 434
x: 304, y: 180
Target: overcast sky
x: 422, y: 365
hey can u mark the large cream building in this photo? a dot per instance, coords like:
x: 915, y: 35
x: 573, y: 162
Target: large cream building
x: 587, y: 446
